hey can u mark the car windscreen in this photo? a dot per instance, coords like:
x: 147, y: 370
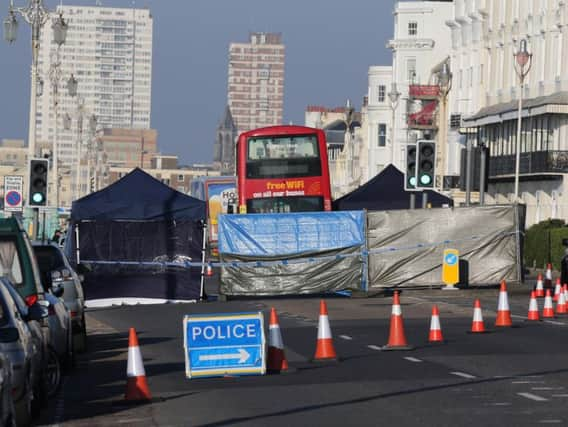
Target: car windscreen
x: 48, y: 258
x: 10, y: 263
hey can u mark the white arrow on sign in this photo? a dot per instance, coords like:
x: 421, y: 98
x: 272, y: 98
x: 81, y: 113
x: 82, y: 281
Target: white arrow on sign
x: 242, y: 355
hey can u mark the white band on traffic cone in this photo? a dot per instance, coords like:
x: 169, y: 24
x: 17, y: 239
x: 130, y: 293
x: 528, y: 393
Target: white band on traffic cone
x: 548, y: 274
x: 477, y: 316
x: 548, y: 302
x: 396, y: 311
x: 275, y: 337
x: 135, y: 367
x: 435, y: 323
x: 324, y: 331
x: 503, y: 302
x: 533, y: 305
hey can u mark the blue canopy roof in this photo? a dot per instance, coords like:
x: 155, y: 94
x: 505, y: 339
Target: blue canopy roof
x: 137, y: 196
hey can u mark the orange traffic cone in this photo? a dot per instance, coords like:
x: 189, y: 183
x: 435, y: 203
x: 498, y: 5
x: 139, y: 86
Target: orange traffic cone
x: 136, y: 385
x: 209, y: 270
x: 324, y: 348
x: 565, y: 292
x: 561, y: 304
x: 539, y: 291
x: 503, y: 311
x: 557, y: 290
x: 477, y: 326
x: 276, y: 358
x: 548, y: 310
x: 435, y: 335
x: 533, y: 308
x: 397, y: 339
x: 548, y: 276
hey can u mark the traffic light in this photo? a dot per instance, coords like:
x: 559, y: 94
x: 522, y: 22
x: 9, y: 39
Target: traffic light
x: 425, y: 164
x: 410, y: 171
x: 38, y: 182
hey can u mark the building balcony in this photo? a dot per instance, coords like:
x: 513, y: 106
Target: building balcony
x: 534, y: 163
x: 424, y: 119
x: 424, y: 91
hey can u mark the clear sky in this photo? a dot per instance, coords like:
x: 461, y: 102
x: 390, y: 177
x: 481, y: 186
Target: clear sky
x: 329, y: 46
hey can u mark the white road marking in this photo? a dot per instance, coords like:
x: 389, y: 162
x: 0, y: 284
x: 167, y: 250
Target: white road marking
x: 501, y: 404
x: 555, y: 323
x: 560, y: 395
x: 463, y: 375
x: 345, y: 337
x: 413, y: 359
x: 518, y: 317
x: 550, y: 421
x: 547, y: 388
x: 533, y: 397
x: 375, y: 347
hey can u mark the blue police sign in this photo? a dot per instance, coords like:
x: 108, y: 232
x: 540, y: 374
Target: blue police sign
x: 224, y: 344
x: 450, y: 258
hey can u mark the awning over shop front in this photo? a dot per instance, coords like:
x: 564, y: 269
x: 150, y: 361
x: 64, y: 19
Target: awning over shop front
x: 557, y: 103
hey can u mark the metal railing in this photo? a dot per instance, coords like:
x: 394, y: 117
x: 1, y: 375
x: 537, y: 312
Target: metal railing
x: 531, y: 163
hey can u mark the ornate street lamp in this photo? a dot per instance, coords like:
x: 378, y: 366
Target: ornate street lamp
x: 523, y: 63
x: 36, y: 15
x: 394, y: 96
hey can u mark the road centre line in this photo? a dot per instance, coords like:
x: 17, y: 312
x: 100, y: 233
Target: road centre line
x: 375, y: 347
x: 553, y: 322
x: 560, y: 395
x: 345, y: 337
x: 413, y: 359
x: 463, y: 375
x: 533, y: 397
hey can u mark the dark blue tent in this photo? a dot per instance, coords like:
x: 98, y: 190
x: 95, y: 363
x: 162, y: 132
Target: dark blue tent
x: 386, y: 192
x: 126, y: 230
x: 137, y: 196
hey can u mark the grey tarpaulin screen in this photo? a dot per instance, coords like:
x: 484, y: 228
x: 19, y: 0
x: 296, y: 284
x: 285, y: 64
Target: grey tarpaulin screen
x: 487, y: 238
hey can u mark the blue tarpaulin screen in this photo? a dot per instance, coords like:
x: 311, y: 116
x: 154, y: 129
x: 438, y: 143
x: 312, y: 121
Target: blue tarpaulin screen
x: 290, y: 233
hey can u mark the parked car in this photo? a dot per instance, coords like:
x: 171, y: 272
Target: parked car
x: 19, y: 265
x: 51, y: 366
x: 55, y: 269
x: 17, y: 343
x: 7, y: 411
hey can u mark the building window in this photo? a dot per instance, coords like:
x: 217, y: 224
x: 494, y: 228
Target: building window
x: 382, y: 135
x: 412, y: 28
x: 382, y: 89
x: 180, y: 178
x: 411, y: 69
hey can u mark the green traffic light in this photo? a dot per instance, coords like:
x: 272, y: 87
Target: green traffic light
x: 37, y: 197
x: 412, y: 181
x: 425, y: 179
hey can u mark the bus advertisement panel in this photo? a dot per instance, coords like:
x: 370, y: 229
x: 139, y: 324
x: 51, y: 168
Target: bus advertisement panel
x: 220, y: 193
x: 283, y: 169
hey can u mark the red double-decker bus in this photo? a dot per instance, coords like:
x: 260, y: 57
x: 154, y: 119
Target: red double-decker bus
x: 283, y: 169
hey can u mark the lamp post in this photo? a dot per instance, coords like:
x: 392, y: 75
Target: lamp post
x: 394, y: 96
x: 36, y: 15
x: 55, y: 78
x: 445, y: 85
x: 523, y: 62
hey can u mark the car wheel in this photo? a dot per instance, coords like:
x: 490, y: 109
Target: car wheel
x: 53, y: 372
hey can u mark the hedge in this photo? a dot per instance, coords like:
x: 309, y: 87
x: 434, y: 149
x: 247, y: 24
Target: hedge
x: 543, y: 244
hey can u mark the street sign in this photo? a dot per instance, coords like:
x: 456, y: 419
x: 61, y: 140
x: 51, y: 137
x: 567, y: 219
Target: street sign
x: 224, y: 344
x: 450, y: 268
x: 13, y: 193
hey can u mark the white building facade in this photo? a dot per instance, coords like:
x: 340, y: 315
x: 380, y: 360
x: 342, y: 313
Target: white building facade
x: 421, y: 42
x: 109, y: 53
x: 378, y: 120
x: 485, y: 36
